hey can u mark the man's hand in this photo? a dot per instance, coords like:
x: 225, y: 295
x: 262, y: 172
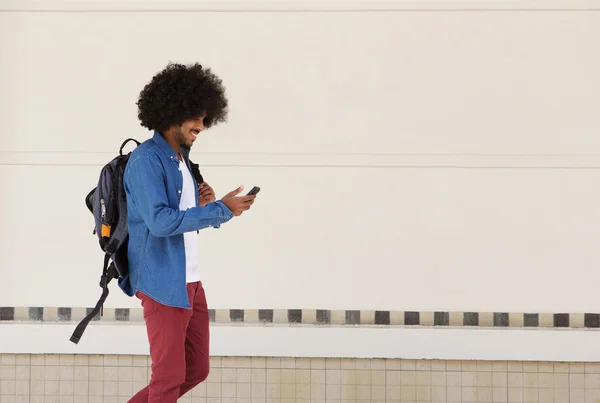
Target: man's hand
x: 206, y: 194
x: 238, y: 204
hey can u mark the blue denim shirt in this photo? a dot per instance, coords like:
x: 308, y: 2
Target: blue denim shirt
x: 153, y: 184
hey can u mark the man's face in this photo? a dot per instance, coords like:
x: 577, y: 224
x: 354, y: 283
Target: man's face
x: 186, y: 134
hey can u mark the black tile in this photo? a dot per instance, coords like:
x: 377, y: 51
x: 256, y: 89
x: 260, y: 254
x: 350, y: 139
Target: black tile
x: 89, y: 310
x: 500, y: 319
x: 561, y: 320
x: 7, y: 313
x: 323, y: 317
x: 531, y: 320
x: 212, y: 315
x: 36, y: 313
x: 64, y: 314
x: 353, y: 317
x: 236, y: 315
x: 471, y: 319
x: 294, y: 315
x: 592, y: 320
x: 441, y: 318
x: 411, y: 318
x: 382, y: 317
x: 122, y: 314
x: 265, y: 315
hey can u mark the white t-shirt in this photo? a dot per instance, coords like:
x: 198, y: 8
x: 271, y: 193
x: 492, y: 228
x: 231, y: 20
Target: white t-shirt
x: 188, y: 200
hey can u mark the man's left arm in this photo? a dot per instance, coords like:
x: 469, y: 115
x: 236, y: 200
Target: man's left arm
x: 206, y: 194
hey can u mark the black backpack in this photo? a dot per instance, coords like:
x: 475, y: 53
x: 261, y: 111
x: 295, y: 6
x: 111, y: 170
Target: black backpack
x: 107, y: 202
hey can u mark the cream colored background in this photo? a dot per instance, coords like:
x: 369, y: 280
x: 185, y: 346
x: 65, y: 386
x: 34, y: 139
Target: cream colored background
x: 431, y: 160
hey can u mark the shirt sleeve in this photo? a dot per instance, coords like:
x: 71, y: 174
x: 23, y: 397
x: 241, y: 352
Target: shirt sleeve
x: 145, y: 185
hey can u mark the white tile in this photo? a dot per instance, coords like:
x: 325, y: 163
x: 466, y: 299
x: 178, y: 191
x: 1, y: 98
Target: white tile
x: 23, y: 359
x: 500, y: 395
x: 125, y: 388
x: 111, y: 388
x: 140, y: 374
x: 8, y: 372
x: 251, y: 316
x: 333, y: 377
x: 111, y: 374
x: 317, y: 376
x: 288, y: 362
x: 125, y: 360
x: 66, y: 372
x: 21, y: 387
x: 348, y: 392
x: 36, y: 399
x: 142, y: 361
x: 38, y: 359
x: 66, y: 359
x: 423, y: 378
x: 244, y: 395
x: 96, y: 360
x: 111, y: 360
x: 302, y: 376
x: 51, y: 388
x: 244, y: 375
x: 81, y: 373
x: 125, y: 374
x: 52, y: 359
x: 259, y: 362
x: 229, y: 375
x: 259, y: 390
x: 66, y: 388
x: 82, y: 360
x: 393, y: 392
x: 96, y: 388
x: 80, y: 388
x: 275, y: 362
x: 333, y: 391
x: 309, y: 316
x: 37, y: 387
x: 96, y: 373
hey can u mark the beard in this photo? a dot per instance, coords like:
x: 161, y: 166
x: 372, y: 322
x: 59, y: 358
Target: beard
x: 180, y: 138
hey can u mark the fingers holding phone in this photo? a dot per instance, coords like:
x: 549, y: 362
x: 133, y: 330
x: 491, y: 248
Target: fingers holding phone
x: 239, y: 204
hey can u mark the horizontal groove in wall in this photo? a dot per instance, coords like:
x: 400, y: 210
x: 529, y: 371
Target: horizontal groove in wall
x: 317, y: 160
x: 297, y: 5
x: 320, y: 317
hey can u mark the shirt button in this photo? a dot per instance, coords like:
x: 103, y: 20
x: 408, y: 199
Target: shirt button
x: 179, y: 191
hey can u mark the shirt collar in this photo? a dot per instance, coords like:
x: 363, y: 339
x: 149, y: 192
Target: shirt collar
x: 163, y: 145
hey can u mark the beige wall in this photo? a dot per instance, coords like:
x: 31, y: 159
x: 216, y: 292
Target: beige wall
x: 437, y: 153
x: 444, y: 159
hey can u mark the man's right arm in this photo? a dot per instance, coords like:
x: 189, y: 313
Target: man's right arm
x: 145, y: 182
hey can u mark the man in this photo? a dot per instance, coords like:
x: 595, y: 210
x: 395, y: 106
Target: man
x: 166, y: 208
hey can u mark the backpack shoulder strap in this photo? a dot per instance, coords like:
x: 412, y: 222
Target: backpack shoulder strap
x: 125, y: 143
x: 185, y: 153
x: 108, y: 273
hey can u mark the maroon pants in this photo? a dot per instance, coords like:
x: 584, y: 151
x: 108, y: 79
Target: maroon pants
x: 179, y: 340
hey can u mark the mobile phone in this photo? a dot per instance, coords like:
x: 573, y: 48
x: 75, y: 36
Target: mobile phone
x: 253, y: 191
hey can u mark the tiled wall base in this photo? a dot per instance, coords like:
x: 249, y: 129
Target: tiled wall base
x: 113, y: 379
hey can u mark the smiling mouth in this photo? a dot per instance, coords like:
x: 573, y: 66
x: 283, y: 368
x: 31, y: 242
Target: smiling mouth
x: 195, y: 133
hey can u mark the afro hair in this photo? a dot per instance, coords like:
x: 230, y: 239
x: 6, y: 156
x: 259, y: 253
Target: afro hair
x: 180, y: 93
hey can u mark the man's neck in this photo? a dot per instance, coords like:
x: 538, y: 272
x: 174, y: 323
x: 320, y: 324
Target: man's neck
x: 173, y: 143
